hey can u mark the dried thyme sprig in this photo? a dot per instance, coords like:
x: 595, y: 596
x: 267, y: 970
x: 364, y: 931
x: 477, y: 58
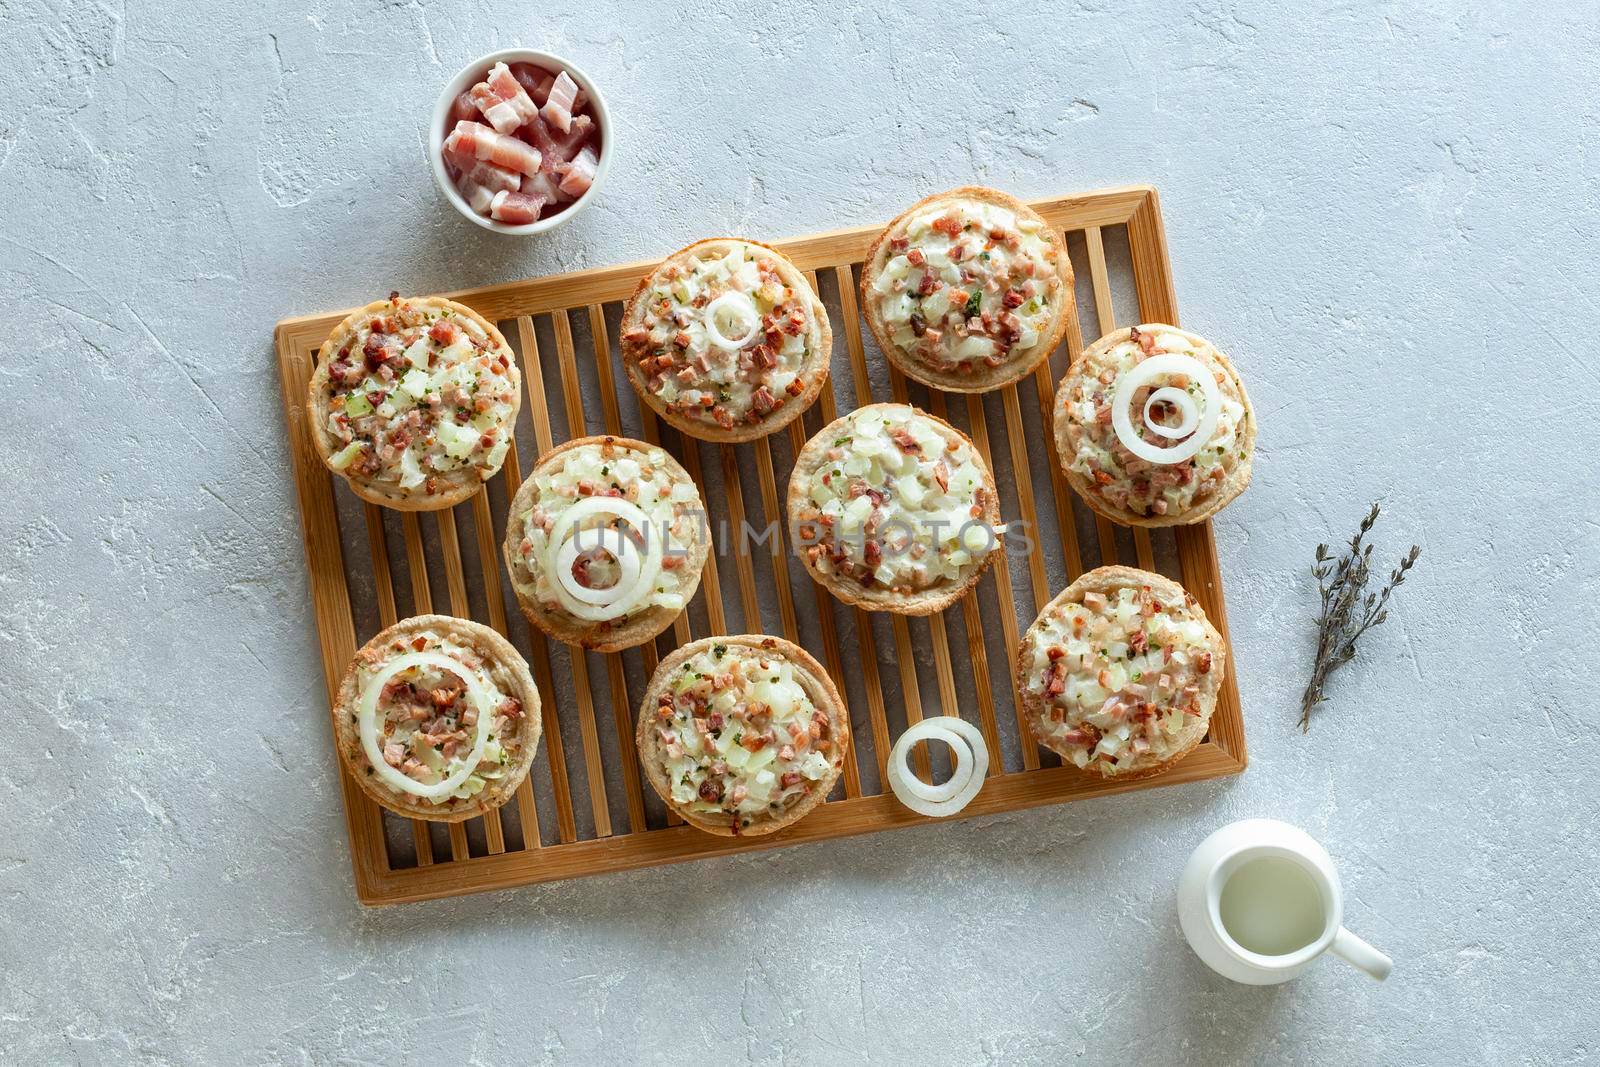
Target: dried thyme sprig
x: 1346, y: 613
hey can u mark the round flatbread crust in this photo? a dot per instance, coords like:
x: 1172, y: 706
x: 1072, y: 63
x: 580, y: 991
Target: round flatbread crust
x: 873, y: 598
x: 458, y: 485
x: 508, y: 670
x: 1108, y: 580
x: 600, y: 636
x: 989, y: 378
x: 813, y: 679
x: 813, y: 373
x: 1234, y: 484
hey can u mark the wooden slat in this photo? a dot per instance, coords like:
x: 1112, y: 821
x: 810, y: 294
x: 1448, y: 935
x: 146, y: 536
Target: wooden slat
x: 1020, y: 471
x: 621, y: 702
x: 1044, y: 383
x: 710, y: 584
x: 1197, y: 546
x: 877, y: 714
x: 456, y: 582
x: 1008, y: 601
x: 533, y: 382
x: 388, y: 615
x: 1106, y: 319
x: 330, y: 599
x: 489, y: 567
x: 774, y: 514
x: 422, y: 604
x: 949, y: 703
x: 537, y: 296
x: 749, y: 605
x: 830, y: 633
x: 376, y: 882
x: 577, y: 657
x: 842, y: 818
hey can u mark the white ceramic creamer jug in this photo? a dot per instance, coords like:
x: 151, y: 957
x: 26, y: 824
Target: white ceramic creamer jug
x: 1260, y: 900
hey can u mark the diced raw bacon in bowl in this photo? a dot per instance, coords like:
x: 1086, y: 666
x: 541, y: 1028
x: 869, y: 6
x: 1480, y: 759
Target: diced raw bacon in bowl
x: 557, y: 110
x: 476, y: 140
x: 577, y: 176
x: 516, y: 209
x: 503, y: 100
x: 519, y: 144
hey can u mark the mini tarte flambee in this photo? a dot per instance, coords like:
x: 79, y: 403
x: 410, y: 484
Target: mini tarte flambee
x: 1120, y: 673
x: 967, y: 290
x: 573, y: 511
x: 893, y: 509
x: 726, y: 341
x: 414, y: 402
x: 437, y: 718
x: 1180, y: 403
x: 742, y: 735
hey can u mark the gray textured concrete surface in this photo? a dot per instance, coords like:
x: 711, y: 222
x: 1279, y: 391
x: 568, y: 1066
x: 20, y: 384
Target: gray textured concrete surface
x: 1387, y: 212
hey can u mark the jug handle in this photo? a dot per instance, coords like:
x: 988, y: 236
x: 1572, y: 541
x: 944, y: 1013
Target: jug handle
x: 1358, y: 953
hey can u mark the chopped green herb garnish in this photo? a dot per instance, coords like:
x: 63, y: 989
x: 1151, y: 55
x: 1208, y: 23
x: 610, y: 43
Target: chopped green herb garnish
x: 974, y: 303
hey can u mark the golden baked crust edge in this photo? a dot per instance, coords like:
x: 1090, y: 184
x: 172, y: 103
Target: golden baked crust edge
x: 463, y: 482
x: 813, y: 372
x: 1108, y: 580
x: 989, y: 379
x: 818, y: 686
x: 511, y: 673
x: 597, y: 637
x: 927, y: 602
x: 1236, y: 482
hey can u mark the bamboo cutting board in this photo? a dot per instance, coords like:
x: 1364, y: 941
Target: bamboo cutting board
x: 585, y: 809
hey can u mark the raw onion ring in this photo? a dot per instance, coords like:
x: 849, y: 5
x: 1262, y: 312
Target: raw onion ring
x: 746, y: 309
x: 367, y: 723
x: 625, y: 552
x: 966, y: 779
x: 620, y: 598
x: 1171, y: 394
x: 1141, y: 375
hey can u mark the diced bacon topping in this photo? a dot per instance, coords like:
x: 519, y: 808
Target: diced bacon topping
x: 557, y: 110
x: 479, y: 141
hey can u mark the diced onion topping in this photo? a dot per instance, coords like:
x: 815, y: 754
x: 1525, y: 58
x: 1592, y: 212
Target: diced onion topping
x: 1198, y: 429
x: 567, y: 541
x: 367, y: 723
x: 971, y: 766
x: 732, y: 312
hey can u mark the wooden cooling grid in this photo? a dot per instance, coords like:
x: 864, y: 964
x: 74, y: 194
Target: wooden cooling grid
x: 571, y: 818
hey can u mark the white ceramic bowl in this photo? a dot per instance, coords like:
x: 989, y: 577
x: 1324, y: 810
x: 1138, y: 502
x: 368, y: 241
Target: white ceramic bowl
x: 464, y: 80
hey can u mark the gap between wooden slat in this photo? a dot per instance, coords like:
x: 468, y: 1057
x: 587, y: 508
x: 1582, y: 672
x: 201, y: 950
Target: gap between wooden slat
x: 566, y: 820
x: 865, y: 643
x: 593, y: 770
